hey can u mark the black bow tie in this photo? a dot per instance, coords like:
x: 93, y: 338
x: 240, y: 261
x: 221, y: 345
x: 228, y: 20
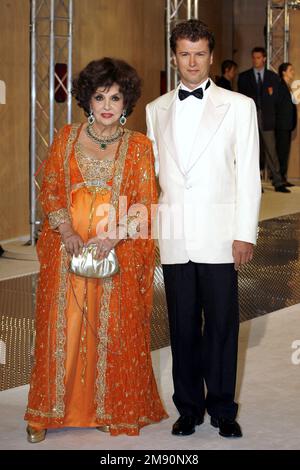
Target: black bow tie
x: 198, y: 93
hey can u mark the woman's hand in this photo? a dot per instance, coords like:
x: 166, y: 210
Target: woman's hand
x: 104, y: 245
x: 71, y: 240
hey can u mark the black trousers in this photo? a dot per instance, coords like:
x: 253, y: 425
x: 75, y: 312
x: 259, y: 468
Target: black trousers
x: 204, y: 352
x: 268, y: 143
x: 283, y: 145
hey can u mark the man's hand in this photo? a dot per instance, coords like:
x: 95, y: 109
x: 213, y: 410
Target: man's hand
x: 242, y: 253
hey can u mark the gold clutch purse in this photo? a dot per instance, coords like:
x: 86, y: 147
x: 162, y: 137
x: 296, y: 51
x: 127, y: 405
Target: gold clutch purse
x: 86, y: 265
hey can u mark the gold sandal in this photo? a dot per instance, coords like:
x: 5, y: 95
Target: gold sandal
x: 35, y: 435
x: 104, y: 428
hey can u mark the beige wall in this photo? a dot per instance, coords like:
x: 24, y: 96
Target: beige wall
x: 294, y: 58
x: 132, y: 30
x: 14, y: 118
x: 217, y: 14
x: 249, y: 20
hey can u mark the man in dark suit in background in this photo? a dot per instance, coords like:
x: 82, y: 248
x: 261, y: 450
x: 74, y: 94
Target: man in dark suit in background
x: 286, y: 118
x: 262, y: 85
x: 229, y: 69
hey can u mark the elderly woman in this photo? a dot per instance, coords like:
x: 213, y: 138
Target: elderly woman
x: 92, y: 355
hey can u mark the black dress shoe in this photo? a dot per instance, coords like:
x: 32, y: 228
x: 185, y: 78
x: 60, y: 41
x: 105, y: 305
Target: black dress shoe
x: 227, y: 427
x: 287, y: 184
x: 185, y: 425
x: 282, y: 189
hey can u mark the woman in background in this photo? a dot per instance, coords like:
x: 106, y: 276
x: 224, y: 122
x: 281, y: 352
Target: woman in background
x: 286, y: 118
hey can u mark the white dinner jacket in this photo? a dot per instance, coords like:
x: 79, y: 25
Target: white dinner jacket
x: 216, y: 200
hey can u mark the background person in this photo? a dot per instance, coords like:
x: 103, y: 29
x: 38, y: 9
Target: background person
x: 286, y: 118
x: 262, y: 85
x: 229, y: 71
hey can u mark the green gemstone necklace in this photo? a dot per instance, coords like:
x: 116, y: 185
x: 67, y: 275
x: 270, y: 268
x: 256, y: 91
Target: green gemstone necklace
x: 103, y: 142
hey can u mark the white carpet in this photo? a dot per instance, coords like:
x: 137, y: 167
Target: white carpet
x: 268, y: 387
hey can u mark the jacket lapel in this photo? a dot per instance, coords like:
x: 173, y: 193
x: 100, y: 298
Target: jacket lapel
x: 253, y: 81
x: 212, y: 117
x: 166, y: 113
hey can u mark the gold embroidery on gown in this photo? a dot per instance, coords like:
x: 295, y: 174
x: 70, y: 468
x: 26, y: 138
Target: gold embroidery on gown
x: 119, y: 388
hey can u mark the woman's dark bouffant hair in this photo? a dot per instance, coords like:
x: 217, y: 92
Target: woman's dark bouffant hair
x: 283, y: 68
x: 193, y: 30
x: 104, y: 73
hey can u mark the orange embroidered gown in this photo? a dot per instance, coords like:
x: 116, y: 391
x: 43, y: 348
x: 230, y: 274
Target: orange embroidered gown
x: 92, y: 353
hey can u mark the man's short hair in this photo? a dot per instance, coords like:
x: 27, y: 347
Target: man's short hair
x: 262, y: 50
x: 193, y: 30
x: 227, y: 65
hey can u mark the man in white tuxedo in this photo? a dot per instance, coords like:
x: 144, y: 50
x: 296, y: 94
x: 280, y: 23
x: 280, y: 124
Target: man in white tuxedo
x: 205, y: 141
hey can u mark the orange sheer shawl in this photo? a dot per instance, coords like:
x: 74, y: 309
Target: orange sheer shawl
x: 118, y: 388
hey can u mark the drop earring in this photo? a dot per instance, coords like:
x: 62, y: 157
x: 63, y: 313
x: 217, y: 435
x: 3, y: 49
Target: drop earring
x: 91, y: 118
x: 123, y: 119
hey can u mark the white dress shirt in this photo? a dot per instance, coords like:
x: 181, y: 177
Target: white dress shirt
x: 261, y: 72
x: 188, y: 113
